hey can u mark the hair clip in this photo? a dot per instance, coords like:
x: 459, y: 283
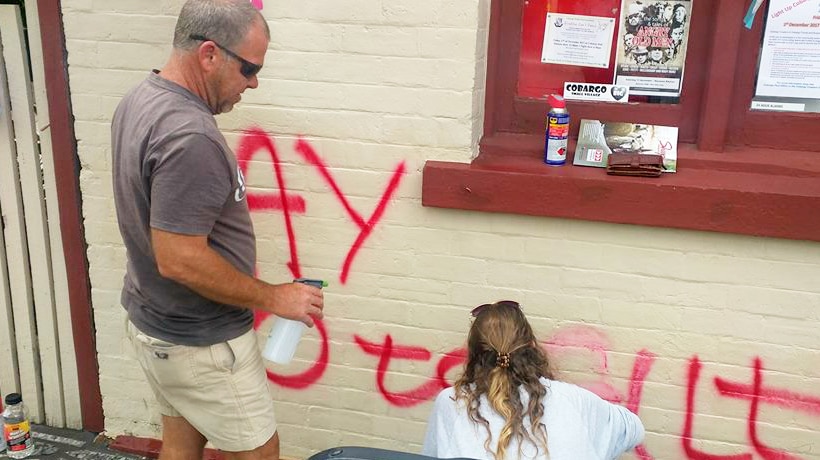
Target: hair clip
x: 503, y: 360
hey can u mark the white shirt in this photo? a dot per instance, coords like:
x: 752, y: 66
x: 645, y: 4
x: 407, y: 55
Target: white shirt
x: 580, y: 426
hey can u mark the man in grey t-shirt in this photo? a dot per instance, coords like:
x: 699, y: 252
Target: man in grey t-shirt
x: 183, y: 215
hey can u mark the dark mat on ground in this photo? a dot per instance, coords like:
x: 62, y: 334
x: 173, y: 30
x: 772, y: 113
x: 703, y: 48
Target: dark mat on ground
x: 65, y: 444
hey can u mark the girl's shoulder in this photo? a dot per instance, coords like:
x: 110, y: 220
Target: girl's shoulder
x: 447, y: 393
x: 566, y: 390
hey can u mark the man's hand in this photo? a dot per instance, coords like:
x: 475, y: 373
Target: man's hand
x: 296, y: 301
x: 190, y: 261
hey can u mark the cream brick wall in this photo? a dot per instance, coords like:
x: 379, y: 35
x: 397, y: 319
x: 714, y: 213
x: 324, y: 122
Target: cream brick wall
x: 370, y: 84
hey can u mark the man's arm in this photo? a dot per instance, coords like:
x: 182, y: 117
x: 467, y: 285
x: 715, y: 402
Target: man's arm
x: 190, y: 261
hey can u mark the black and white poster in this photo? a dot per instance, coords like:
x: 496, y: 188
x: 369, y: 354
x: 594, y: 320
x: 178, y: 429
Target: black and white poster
x: 652, y: 40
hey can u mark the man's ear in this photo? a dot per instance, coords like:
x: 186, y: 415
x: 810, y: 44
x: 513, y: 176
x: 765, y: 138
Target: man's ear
x: 206, y: 56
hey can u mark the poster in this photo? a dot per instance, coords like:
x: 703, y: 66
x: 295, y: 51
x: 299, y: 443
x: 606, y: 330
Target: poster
x: 788, y: 76
x: 598, y: 92
x: 652, y: 40
x: 572, y: 39
x: 598, y: 139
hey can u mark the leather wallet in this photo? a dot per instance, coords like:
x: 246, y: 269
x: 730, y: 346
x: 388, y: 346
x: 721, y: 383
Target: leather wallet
x: 635, y: 164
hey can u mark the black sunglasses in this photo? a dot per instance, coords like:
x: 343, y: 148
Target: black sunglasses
x: 504, y: 303
x: 247, y: 68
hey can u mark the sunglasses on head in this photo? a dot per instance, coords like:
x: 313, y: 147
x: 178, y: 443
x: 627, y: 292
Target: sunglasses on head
x: 247, y: 68
x: 504, y: 303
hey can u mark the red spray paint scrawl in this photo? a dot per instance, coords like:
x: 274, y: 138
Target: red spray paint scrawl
x: 256, y: 139
x: 579, y: 341
x: 387, y: 351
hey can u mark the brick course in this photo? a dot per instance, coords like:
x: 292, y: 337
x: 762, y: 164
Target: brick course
x: 371, y: 84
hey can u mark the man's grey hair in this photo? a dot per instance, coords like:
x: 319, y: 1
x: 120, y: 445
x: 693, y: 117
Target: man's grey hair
x: 223, y: 21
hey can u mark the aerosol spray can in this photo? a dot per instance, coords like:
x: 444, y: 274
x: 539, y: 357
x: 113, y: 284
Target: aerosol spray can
x: 285, y: 334
x: 557, y: 131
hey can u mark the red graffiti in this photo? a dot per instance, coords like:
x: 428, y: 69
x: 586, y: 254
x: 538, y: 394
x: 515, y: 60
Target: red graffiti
x: 690, y: 450
x: 365, y: 227
x: 757, y: 394
x: 641, y: 368
x: 765, y: 451
x: 387, y: 351
x: 777, y: 397
x: 314, y: 372
x: 584, y: 342
x: 256, y: 139
x: 591, y: 341
x: 257, y: 4
x: 251, y: 142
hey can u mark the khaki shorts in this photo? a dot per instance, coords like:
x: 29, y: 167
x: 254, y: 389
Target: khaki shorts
x: 222, y: 389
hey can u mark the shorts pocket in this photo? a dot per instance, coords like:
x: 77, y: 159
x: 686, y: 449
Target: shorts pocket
x: 223, y: 356
x: 158, y: 348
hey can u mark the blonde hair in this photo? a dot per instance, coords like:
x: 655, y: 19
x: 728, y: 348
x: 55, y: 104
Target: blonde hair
x: 503, y: 359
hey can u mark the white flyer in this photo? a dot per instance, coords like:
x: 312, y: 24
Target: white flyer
x: 790, y: 56
x: 600, y: 92
x: 573, y: 39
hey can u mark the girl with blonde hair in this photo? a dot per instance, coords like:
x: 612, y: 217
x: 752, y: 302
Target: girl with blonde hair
x: 507, y: 405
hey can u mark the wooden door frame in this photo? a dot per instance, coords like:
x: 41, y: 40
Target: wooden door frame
x: 67, y: 168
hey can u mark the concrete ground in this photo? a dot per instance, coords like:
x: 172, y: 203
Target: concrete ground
x: 64, y: 444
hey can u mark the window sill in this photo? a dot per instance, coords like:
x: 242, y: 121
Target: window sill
x: 745, y: 191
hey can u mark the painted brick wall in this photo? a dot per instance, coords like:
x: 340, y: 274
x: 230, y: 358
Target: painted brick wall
x: 712, y: 338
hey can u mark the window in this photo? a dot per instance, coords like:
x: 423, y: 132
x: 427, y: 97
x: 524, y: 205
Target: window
x: 776, y: 130
x: 535, y: 79
x: 739, y: 171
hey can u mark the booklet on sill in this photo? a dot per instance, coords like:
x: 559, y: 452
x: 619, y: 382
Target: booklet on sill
x: 597, y: 139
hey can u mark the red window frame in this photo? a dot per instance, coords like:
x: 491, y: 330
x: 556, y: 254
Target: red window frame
x: 526, y: 115
x: 740, y: 171
x: 758, y: 128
